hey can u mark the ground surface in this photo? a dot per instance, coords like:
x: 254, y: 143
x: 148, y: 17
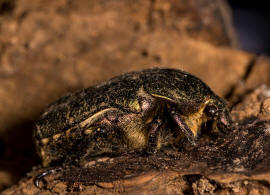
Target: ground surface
x: 49, y: 48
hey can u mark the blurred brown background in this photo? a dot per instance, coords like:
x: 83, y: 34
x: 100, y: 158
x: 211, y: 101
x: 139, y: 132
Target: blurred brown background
x: 50, y: 48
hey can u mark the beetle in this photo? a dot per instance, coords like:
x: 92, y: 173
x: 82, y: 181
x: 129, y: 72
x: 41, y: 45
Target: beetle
x: 137, y: 111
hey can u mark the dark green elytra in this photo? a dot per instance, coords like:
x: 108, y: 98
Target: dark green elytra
x: 131, y: 112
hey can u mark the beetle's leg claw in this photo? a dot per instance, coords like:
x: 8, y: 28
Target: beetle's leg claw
x: 41, y: 176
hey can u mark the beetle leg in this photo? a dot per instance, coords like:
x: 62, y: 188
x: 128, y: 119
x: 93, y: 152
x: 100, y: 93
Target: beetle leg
x: 183, y: 126
x: 41, y: 176
x: 153, y: 133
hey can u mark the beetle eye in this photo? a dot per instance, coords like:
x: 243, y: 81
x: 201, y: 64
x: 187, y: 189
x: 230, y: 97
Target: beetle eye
x: 211, y: 110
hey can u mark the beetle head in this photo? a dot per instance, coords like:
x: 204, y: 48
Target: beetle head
x: 218, y: 111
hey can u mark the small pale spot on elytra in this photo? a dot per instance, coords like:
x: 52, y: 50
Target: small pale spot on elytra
x: 149, y: 120
x: 68, y: 132
x: 45, y: 141
x: 88, y: 131
x: 70, y: 120
x: 134, y: 104
x: 42, y: 153
x: 56, y: 136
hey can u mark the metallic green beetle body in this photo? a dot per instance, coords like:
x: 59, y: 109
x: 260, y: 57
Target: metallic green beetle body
x: 135, y: 111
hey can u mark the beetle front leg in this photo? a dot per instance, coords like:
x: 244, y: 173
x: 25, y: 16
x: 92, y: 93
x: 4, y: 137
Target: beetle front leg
x: 183, y: 126
x: 41, y: 176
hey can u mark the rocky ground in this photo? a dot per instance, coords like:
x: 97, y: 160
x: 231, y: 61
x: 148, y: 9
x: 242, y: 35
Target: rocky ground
x: 49, y: 48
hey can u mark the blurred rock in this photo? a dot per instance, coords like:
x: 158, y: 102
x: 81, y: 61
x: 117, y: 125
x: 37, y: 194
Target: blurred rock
x: 50, y: 48
x: 257, y: 74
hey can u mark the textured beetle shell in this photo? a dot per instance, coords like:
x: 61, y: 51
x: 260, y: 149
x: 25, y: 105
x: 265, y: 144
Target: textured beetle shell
x: 180, y: 88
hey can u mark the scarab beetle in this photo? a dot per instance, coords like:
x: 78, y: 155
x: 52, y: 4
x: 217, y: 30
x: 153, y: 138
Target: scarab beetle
x: 137, y: 111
